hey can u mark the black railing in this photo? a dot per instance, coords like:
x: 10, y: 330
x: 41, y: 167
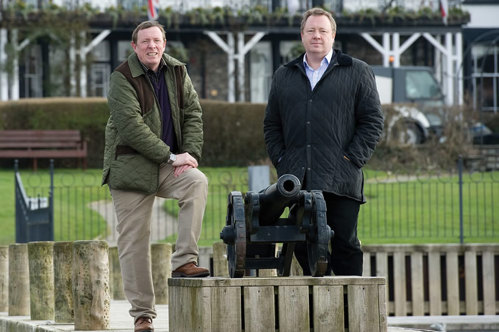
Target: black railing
x: 454, y: 206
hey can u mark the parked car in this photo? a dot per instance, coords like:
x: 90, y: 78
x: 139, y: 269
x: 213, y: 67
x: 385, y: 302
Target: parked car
x: 418, y: 101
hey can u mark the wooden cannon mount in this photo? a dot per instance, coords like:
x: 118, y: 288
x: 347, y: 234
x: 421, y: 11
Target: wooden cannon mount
x: 254, y: 226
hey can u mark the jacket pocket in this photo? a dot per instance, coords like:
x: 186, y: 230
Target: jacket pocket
x: 133, y: 172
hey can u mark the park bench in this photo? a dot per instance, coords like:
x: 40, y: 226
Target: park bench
x: 36, y: 144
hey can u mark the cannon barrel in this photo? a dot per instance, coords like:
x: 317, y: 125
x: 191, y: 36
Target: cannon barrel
x: 275, y: 198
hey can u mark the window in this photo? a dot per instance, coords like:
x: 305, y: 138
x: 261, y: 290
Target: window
x: 124, y: 50
x: 33, y: 72
x: 100, y: 70
x: 485, y: 77
x: 421, y: 85
x: 99, y: 76
x: 261, y: 71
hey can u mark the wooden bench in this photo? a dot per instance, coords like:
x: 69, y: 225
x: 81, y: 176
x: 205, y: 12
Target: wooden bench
x: 43, y: 144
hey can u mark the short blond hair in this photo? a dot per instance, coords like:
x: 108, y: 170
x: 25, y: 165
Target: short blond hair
x: 318, y: 12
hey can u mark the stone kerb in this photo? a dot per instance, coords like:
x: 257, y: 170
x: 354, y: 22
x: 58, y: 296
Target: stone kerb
x: 161, y: 254
x: 41, y: 280
x: 63, y: 265
x: 4, y: 278
x: 91, y: 291
x: 18, y: 280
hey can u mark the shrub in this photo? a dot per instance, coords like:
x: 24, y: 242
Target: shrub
x: 233, y: 132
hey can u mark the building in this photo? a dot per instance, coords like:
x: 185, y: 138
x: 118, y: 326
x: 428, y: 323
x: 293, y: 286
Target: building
x: 69, y: 47
x: 481, y: 54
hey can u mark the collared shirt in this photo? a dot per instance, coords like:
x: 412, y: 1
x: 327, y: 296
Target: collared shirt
x: 159, y: 84
x: 315, y: 75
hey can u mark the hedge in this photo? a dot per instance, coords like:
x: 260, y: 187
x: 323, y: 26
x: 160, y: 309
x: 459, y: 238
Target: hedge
x: 233, y: 132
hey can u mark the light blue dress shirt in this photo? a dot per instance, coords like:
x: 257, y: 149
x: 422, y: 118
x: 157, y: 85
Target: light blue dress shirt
x: 315, y: 75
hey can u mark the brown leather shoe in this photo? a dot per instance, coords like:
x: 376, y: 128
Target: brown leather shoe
x: 144, y: 324
x: 190, y: 270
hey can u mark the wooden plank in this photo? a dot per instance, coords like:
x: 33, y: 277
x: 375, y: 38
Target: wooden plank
x: 363, y: 308
x: 37, y: 133
x: 294, y: 308
x: 329, y: 310
x: 43, y: 153
x: 195, y: 317
x: 382, y: 271
x: 471, y: 287
x: 489, y: 286
x: 220, y: 267
x: 226, y: 309
x: 366, y: 266
x: 295, y: 281
x: 399, y: 282
x: 40, y: 144
x: 259, y: 309
x: 383, y: 322
x: 434, y: 281
x: 452, y: 271
x: 417, y: 287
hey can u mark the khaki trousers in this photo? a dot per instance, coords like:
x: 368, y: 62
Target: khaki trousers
x: 133, y: 211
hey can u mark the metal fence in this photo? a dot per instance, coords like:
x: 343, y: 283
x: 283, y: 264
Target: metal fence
x: 454, y: 206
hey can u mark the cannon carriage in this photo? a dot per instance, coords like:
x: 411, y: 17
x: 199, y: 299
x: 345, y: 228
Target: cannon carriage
x: 254, y: 226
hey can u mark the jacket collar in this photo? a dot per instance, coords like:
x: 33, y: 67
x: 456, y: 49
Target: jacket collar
x: 338, y: 58
x: 137, y: 70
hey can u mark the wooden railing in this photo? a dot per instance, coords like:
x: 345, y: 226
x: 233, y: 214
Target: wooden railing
x: 437, y: 279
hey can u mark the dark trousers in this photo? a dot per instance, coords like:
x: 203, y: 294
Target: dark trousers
x: 346, y: 255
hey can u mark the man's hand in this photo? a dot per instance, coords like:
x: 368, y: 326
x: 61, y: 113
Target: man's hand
x: 184, y: 162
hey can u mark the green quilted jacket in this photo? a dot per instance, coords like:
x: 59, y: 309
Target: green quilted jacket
x: 134, y: 149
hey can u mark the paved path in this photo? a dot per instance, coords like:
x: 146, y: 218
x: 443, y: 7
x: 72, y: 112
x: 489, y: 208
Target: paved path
x: 162, y: 224
x: 120, y: 321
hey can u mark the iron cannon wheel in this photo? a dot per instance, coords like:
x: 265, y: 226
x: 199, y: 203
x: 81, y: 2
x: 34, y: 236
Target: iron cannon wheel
x: 236, y: 251
x: 318, y: 242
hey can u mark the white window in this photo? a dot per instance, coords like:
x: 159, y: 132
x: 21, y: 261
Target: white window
x: 260, y: 72
x: 486, y: 77
x: 33, y: 72
x: 99, y: 77
x: 124, y: 50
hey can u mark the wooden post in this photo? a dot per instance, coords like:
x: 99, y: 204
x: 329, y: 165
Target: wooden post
x: 41, y: 280
x: 161, y: 256
x: 220, y: 267
x: 4, y: 278
x: 18, y: 280
x: 91, y: 285
x: 63, y: 265
x: 115, y: 279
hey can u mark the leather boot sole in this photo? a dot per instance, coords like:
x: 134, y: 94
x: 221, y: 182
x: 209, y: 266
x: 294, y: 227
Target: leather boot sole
x: 196, y: 275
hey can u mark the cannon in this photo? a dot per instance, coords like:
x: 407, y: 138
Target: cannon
x: 255, y: 224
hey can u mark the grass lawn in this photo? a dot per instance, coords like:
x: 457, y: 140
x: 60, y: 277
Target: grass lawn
x: 73, y: 190
x: 403, y: 211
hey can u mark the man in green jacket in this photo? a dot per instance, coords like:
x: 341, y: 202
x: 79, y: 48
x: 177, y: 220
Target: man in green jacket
x: 154, y: 138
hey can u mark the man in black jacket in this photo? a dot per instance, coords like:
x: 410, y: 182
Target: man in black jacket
x: 322, y: 123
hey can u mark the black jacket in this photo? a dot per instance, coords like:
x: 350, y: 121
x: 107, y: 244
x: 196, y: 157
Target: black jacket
x: 309, y: 133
